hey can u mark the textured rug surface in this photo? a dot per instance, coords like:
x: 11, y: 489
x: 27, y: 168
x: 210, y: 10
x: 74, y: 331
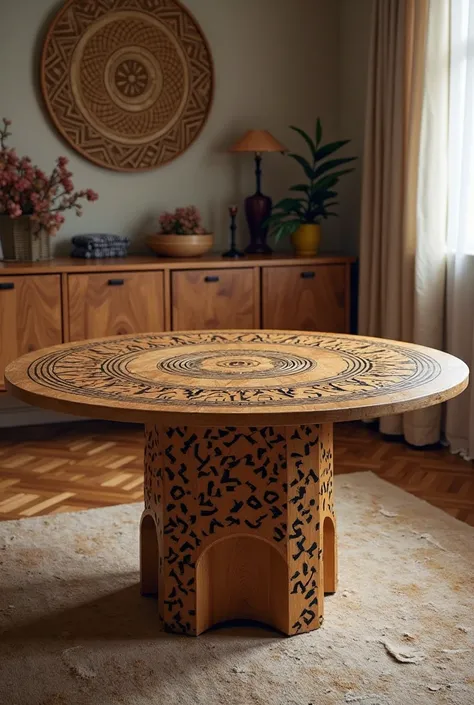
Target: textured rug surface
x: 400, y: 630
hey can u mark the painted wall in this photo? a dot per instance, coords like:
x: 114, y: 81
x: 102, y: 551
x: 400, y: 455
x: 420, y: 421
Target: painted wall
x: 355, y: 17
x: 276, y: 63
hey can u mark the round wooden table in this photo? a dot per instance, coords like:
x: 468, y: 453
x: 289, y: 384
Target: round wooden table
x: 239, y: 507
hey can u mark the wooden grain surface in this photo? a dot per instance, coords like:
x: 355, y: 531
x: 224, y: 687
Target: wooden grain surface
x: 237, y: 377
x: 242, y: 576
x: 305, y: 297
x: 30, y: 316
x: 114, y: 303
x: 213, y: 299
x: 137, y: 262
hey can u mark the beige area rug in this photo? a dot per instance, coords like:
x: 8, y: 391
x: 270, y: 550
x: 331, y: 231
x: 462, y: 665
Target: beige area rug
x: 399, y: 631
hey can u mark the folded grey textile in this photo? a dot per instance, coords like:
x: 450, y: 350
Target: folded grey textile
x: 112, y: 248
x: 90, y: 242
x: 104, y: 251
x: 99, y: 252
x: 98, y: 245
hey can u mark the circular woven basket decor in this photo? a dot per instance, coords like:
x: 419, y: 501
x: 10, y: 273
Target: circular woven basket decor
x: 128, y: 83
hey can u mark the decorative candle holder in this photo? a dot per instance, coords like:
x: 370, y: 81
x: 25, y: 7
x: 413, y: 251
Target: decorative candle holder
x: 233, y: 252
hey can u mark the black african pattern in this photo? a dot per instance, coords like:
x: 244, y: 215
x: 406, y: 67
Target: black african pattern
x: 206, y: 483
x: 289, y: 377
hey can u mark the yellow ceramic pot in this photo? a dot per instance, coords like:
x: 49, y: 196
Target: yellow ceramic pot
x: 306, y: 240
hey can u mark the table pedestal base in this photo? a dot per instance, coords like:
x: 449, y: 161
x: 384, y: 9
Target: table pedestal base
x: 235, y: 525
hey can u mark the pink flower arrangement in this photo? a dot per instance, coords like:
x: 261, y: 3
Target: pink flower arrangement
x: 27, y: 190
x: 184, y: 221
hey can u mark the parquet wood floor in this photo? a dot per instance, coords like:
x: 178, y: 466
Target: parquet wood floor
x: 51, y: 469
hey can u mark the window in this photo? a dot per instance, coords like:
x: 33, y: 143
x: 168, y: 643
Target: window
x: 461, y: 128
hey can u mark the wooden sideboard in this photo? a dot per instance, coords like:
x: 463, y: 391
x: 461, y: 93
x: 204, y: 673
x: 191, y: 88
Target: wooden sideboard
x: 46, y: 303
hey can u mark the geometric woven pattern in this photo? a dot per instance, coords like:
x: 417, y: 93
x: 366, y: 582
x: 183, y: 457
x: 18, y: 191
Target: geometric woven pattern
x: 128, y: 83
x: 81, y: 466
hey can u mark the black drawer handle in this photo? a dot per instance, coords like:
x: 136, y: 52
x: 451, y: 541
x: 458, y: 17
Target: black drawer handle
x: 6, y: 285
x: 211, y: 279
x: 307, y: 275
x: 116, y: 282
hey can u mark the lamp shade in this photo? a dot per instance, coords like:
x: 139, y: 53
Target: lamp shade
x: 257, y: 141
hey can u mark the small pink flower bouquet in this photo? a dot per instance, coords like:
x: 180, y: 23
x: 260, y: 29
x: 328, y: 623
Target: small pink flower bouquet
x: 27, y: 190
x: 184, y: 221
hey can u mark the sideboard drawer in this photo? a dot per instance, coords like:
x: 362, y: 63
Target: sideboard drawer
x: 30, y: 315
x: 115, y: 303
x: 312, y: 297
x: 213, y: 298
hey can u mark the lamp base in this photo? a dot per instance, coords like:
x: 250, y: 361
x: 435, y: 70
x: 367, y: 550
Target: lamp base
x: 258, y: 249
x: 233, y: 252
x: 257, y: 209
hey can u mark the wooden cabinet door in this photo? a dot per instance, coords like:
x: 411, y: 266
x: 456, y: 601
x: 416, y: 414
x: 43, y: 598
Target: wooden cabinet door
x: 30, y: 315
x: 213, y: 298
x: 306, y: 298
x: 115, y: 303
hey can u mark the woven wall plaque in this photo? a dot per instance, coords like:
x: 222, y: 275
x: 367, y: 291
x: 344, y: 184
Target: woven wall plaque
x: 128, y: 83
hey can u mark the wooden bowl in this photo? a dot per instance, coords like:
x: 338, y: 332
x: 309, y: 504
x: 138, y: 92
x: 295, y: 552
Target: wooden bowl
x: 180, y: 245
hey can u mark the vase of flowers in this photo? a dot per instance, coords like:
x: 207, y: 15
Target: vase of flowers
x: 182, y: 234
x: 32, y: 203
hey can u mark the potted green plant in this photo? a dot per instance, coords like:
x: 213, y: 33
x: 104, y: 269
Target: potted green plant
x: 300, y: 216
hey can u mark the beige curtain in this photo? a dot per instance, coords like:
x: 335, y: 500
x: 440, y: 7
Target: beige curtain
x: 396, y: 266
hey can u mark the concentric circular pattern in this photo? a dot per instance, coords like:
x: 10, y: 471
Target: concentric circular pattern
x: 132, y: 77
x: 136, y: 87
x: 316, y: 376
x: 235, y: 364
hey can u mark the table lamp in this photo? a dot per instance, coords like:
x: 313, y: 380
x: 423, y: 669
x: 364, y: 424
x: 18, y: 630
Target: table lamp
x: 258, y: 207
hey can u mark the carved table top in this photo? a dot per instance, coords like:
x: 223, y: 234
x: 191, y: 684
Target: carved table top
x: 231, y: 377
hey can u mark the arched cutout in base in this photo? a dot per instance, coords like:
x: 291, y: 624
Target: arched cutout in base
x: 329, y: 555
x: 242, y: 577
x: 148, y: 556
